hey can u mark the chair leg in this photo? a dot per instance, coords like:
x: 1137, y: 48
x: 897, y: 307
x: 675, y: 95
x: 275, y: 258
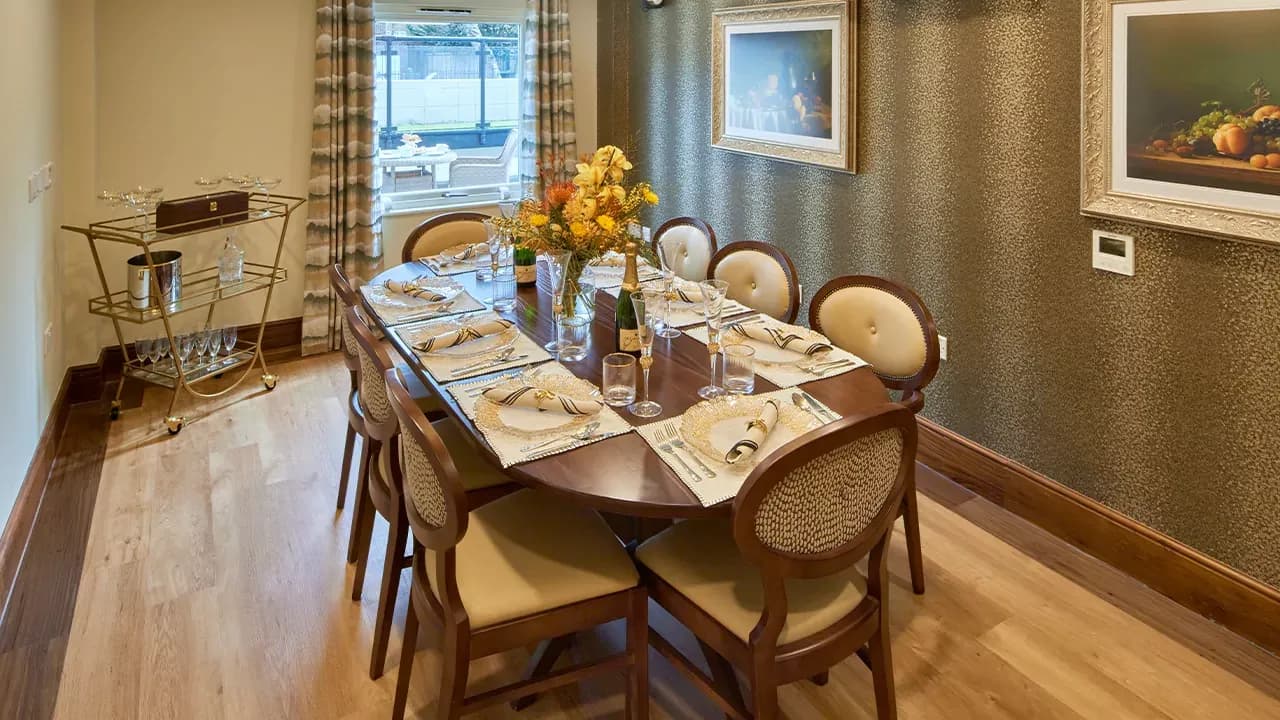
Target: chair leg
x: 347, y: 451
x: 765, y: 697
x: 363, y: 529
x: 821, y: 679
x: 362, y: 489
x: 542, y: 663
x: 407, y: 651
x: 455, y: 659
x: 882, y: 673
x: 391, y: 567
x: 722, y: 672
x: 911, y: 522
x: 638, y: 649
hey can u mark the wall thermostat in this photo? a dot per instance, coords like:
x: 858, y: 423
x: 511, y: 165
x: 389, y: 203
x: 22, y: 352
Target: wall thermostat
x: 1113, y: 252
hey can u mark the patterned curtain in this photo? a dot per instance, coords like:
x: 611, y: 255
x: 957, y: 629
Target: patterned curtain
x: 546, y: 96
x: 344, y: 222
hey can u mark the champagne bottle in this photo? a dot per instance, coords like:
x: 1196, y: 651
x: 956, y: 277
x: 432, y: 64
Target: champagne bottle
x: 626, y: 326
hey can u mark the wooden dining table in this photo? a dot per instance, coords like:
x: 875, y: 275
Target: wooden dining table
x: 621, y: 475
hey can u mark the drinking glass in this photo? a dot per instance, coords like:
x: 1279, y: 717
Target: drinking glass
x: 504, y: 290
x: 574, y: 330
x: 647, y: 322
x: 713, y: 292
x: 112, y: 198
x: 266, y: 185
x: 739, y: 369
x: 208, y: 184
x: 493, y: 237
x: 142, y: 349
x: 161, y: 349
x: 556, y: 267
x: 619, y: 383
x: 229, y: 339
x: 201, y: 344
x: 186, y: 343
x: 144, y: 200
x: 669, y: 287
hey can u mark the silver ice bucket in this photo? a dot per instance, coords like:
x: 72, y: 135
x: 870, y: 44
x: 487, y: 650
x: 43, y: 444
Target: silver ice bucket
x: 168, y: 265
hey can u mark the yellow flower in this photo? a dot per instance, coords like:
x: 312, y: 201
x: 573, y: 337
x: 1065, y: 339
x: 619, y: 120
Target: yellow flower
x: 606, y: 222
x: 651, y: 197
x: 539, y: 220
x: 589, y: 176
x: 579, y: 229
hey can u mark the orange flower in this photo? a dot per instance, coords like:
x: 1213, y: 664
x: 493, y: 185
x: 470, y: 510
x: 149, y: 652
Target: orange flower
x: 559, y: 194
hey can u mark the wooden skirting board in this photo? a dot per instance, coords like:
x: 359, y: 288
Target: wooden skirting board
x: 1183, y: 574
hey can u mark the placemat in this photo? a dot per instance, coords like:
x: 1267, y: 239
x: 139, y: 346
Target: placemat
x: 402, y: 309
x: 443, y: 368
x: 786, y: 376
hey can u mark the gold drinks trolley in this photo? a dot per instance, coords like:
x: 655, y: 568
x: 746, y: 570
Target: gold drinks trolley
x: 201, y: 289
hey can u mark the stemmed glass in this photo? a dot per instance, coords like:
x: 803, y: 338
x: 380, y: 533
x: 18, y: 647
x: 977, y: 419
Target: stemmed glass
x: 201, y: 344
x: 557, y: 267
x: 144, y: 200
x: 668, y: 287
x: 142, y: 347
x: 713, y: 292
x: 208, y: 184
x: 229, y: 339
x: 161, y: 350
x: 493, y: 237
x: 266, y: 185
x: 186, y: 343
x: 647, y: 326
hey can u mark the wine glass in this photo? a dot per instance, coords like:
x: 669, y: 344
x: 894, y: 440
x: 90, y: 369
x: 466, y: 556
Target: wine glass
x: 266, y: 184
x: 647, y: 323
x: 142, y: 349
x: 229, y: 339
x: 201, y: 344
x: 186, y: 343
x: 208, y: 184
x: 557, y: 267
x: 493, y: 237
x: 669, y: 289
x: 713, y: 293
x: 161, y: 349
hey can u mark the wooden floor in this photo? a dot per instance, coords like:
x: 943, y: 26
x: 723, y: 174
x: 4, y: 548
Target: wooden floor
x: 214, y: 586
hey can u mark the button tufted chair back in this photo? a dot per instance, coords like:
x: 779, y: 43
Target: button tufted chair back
x: 760, y: 276
x: 687, y: 244
x: 443, y: 232
x: 885, y: 324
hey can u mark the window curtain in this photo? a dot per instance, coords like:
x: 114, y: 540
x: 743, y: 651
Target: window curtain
x: 546, y: 97
x: 344, y: 223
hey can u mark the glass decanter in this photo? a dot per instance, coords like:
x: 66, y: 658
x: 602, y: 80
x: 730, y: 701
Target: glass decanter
x: 231, y: 263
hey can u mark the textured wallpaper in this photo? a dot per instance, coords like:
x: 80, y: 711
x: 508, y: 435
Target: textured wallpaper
x: 1156, y: 394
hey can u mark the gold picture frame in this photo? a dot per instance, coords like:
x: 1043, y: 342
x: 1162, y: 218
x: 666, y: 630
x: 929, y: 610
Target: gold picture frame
x: 1110, y: 187
x: 799, y: 120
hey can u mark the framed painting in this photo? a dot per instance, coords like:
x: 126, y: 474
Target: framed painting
x: 1180, y: 127
x: 783, y: 82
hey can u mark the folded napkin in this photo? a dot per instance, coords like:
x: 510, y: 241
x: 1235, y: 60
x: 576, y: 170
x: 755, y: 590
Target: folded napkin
x: 414, y: 289
x: 464, y: 334
x: 757, y: 431
x: 539, y: 399
x: 692, y: 296
x: 782, y: 338
x: 462, y: 253
x: 611, y: 259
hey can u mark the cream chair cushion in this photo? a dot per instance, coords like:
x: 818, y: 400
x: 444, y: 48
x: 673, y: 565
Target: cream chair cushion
x: 475, y: 472
x: 757, y: 281
x: 448, y: 235
x: 530, y: 552
x: 701, y: 561
x: 687, y: 251
x: 876, y: 326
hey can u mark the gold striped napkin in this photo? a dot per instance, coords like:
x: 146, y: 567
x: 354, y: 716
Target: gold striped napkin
x: 462, y: 335
x: 415, y: 289
x: 540, y: 399
x: 782, y: 338
x: 757, y: 431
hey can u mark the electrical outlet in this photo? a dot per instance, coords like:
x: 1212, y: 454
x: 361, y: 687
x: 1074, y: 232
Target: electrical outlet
x: 942, y: 347
x: 46, y: 176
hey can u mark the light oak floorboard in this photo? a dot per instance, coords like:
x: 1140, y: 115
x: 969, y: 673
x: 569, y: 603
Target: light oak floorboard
x: 215, y: 587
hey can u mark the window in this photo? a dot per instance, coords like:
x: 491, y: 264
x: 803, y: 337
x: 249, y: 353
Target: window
x: 448, y: 111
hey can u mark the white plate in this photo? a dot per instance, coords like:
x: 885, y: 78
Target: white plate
x: 381, y: 296
x: 476, y: 348
x: 712, y: 427
x: 528, y: 422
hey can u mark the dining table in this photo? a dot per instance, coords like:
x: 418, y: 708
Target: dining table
x: 621, y: 475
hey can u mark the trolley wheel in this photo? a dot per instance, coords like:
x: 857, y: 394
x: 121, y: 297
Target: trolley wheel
x: 115, y: 410
x: 174, y: 424
x: 269, y: 381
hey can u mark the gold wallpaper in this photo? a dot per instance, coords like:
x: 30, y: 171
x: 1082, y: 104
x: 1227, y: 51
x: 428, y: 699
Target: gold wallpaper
x: 1157, y: 395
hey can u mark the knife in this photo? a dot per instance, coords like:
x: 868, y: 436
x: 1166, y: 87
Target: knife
x: 488, y: 364
x: 818, y: 406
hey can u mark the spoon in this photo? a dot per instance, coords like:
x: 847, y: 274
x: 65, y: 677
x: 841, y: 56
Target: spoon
x: 584, y: 434
x: 798, y: 400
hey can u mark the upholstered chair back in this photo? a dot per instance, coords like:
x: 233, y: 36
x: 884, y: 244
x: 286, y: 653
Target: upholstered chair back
x: 760, y: 276
x: 883, y: 323
x: 820, y: 504
x: 687, y: 244
x: 443, y: 232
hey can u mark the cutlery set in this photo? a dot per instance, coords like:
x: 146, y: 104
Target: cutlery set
x: 669, y: 442
x: 502, y: 358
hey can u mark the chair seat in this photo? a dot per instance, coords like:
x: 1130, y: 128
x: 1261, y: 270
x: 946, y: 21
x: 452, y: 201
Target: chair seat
x: 700, y: 560
x: 476, y: 473
x: 530, y: 552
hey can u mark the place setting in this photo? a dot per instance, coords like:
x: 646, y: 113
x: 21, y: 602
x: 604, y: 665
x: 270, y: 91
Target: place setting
x: 537, y: 412
x: 464, y: 346
x: 421, y: 298
x: 683, y: 303
x: 457, y: 260
x: 609, y: 268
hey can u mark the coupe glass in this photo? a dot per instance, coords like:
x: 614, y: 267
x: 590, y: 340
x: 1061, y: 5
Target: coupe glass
x: 556, y: 267
x: 229, y: 339
x: 112, y: 198
x: 669, y: 287
x: 739, y: 369
x: 647, y: 321
x: 619, y: 380
x: 266, y: 185
x: 713, y: 292
x: 144, y: 200
x: 208, y: 184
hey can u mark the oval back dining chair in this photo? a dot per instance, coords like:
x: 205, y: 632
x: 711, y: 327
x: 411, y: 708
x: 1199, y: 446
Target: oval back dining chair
x: 347, y: 297
x: 775, y: 591
x: 889, y: 326
x: 437, y: 234
x: 523, y: 568
x: 760, y: 276
x: 687, y: 244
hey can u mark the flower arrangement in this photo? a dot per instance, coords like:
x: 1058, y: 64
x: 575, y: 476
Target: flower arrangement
x: 410, y: 141
x: 585, y: 217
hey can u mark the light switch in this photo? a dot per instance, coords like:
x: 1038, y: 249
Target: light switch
x: 33, y: 187
x: 1113, y: 252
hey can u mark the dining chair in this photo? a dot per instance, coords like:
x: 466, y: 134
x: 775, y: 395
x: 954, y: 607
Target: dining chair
x: 760, y: 276
x: 774, y: 590
x: 687, y: 244
x: 439, y: 233
x: 379, y: 490
x: 527, y: 567
x: 888, y: 325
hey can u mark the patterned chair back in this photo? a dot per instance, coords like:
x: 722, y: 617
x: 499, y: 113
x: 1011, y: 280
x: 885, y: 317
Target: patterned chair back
x: 348, y: 297
x: 820, y: 504
x: 379, y: 419
x: 687, y: 244
x: 760, y: 276
x: 442, y: 232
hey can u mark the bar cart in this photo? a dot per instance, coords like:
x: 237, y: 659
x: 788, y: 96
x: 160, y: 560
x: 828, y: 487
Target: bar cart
x: 200, y: 289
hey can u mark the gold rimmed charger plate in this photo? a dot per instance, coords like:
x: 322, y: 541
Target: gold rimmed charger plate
x: 488, y: 345
x: 528, y: 422
x: 381, y: 296
x: 769, y: 354
x: 713, y: 426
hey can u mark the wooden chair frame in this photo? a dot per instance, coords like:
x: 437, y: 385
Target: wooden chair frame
x: 773, y: 251
x: 348, y: 297
x: 912, y: 388
x: 406, y: 252
x: 460, y: 644
x: 701, y: 226
x: 865, y: 630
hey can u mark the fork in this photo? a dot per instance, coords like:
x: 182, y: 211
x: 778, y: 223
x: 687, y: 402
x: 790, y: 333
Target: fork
x: 669, y: 442
x: 823, y: 370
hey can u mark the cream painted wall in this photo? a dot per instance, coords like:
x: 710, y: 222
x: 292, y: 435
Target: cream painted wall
x: 187, y: 88
x: 29, y: 295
